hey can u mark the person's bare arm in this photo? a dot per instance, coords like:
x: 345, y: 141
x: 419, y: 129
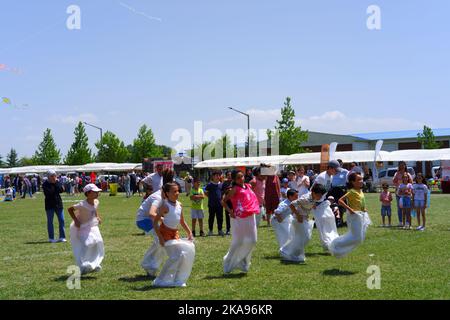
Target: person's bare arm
x: 74, y: 217
x: 230, y: 193
x: 186, y: 227
x: 161, y: 212
x: 344, y: 204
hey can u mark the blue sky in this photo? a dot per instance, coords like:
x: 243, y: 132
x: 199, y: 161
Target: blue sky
x: 169, y: 63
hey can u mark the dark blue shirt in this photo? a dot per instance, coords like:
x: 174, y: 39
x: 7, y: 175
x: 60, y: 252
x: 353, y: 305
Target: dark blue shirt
x: 214, y: 194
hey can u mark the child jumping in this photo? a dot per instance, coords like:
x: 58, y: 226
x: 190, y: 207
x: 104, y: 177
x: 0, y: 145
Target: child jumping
x: 386, y: 209
x: 420, y: 200
x: 197, y: 195
x: 85, y: 237
x: 358, y: 219
x: 178, y: 267
x: 282, y: 218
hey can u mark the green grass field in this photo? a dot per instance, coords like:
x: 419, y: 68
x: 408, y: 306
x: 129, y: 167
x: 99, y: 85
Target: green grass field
x: 413, y: 265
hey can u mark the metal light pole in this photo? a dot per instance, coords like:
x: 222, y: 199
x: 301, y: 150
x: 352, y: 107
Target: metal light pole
x: 101, y: 130
x: 248, y: 126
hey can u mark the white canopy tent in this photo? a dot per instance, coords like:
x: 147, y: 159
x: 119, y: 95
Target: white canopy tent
x: 240, y: 162
x: 92, y: 167
x: 346, y: 157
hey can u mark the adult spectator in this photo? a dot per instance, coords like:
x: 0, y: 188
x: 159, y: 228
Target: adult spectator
x: 368, y: 181
x: 339, y: 189
x: 214, y: 193
x: 398, y: 180
x: 154, y: 181
x: 326, y: 178
x: 34, y: 184
x: 188, y: 180
x: 302, y: 181
x: 133, y: 182
x: 26, y: 188
x: 53, y: 205
x: 127, y: 184
x: 272, y: 196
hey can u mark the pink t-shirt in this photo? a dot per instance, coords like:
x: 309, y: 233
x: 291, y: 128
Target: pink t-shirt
x: 260, y: 190
x: 386, y: 198
x: 245, y: 203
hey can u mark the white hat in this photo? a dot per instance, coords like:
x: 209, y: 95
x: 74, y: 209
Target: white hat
x: 51, y: 173
x: 91, y: 187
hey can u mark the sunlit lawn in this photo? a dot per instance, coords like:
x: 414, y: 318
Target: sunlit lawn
x: 413, y: 265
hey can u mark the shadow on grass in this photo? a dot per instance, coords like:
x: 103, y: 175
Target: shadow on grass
x: 315, y: 254
x: 286, y: 262
x: 137, y: 278
x: 338, y: 273
x: 150, y: 288
x: 138, y: 234
x: 37, y: 242
x: 227, y: 276
x: 65, y: 278
x: 272, y: 257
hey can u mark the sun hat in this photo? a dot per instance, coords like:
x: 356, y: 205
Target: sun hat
x: 91, y: 187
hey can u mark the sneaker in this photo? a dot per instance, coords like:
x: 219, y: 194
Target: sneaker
x: 221, y: 233
x: 52, y: 240
x: 228, y: 233
x: 202, y: 234
x: 62, y: 240
x: 422, y: 229
x: 210, y: 234
x: 419, y: 228
x: 193, y: 234
x: 98, y: 269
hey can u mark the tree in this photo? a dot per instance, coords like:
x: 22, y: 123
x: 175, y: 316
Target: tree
x: 165, y: 150
x: 290, y: 136
x: 144, y: 146
x: 427, y: 139
x: 111, y: 149
x: 12, y: 160
x: 47, y: 153
x: 79, y: 153
x: 2, y: 164
x: 25, y: 162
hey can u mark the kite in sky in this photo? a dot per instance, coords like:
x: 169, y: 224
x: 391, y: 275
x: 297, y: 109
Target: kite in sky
x: 6, y: 100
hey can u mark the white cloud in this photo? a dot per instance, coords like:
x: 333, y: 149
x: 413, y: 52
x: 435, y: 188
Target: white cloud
x: 333, y: 121
x: 340, y: 123
x: 74, y: 119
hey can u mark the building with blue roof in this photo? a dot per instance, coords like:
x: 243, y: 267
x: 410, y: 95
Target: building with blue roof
x: 393, y: 141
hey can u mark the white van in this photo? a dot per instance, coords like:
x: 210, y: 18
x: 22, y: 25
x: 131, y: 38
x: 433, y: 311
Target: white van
x: 387, y: 176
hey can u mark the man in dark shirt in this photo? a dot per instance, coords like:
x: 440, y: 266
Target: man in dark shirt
x: 53, y: 205
x: 214, y: 193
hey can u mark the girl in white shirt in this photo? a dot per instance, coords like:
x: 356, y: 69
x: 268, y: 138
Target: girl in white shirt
x: 85, y: 237
x: 178, y: 267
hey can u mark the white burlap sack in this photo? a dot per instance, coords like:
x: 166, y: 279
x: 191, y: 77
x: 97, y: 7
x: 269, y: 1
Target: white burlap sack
x: 282, y: 230
x: 357, y: 224
x: 87, y: 246
x: 154, y: 256
x: 244, y: 239
x: 178, y: 267
x: 294, y: 249
x: 326, y: 224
